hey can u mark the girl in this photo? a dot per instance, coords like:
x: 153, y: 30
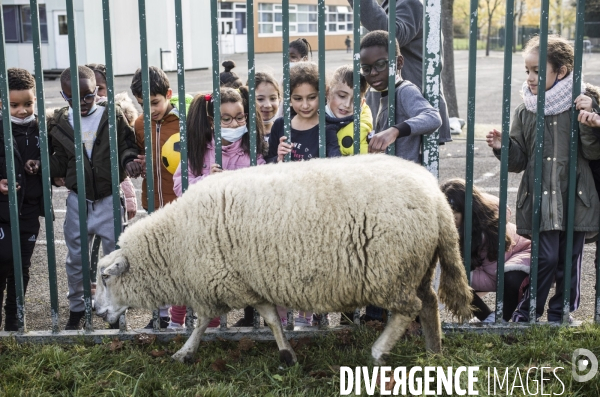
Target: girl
x: 235, y: 140
x: 484, y: 249
x: 340, y: 108
x: 229, y: 78
x: 299, y: 50
x: 552, y: 239
x: 268, y: 98
x: 304, y: 87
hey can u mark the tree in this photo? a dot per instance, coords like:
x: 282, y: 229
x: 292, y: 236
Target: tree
x: 491, y: 6
x: 448, y: 49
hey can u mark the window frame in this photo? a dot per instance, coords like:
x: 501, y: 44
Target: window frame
x: 23, y: 27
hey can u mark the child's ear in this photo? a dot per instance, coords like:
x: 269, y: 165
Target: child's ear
x: 169, y: 93
x: 562, y: 72
x: 399, y: 62
x: 362, y: 101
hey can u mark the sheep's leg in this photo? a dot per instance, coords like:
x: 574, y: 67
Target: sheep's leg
x: 186, y: 353
x: 429, y: 315
x: 269, y: 313
x: 387, y: 340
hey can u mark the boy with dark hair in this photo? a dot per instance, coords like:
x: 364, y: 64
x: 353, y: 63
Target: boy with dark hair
x: 414, y: 115
x: 26, y: 147
x: 165, y: 122
x: 98, y: 186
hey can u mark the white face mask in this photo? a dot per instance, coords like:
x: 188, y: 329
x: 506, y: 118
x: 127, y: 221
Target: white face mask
x: 101, y: 99
x: 24, y: 121
x: 271, y: 120
x: 328, y: 111
x: 233, y: 134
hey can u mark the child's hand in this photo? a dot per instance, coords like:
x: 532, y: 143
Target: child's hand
x: 141, y: 160
x: 4, y: 186
x: 583, y: 102
x: 32, y: 166
x: 283, y: 149
x: 215, y: 168
x: 382, y: 140
x: 589, y: 118
x: 133, y: 169
x: 59, y: 181
x: 494, y: 139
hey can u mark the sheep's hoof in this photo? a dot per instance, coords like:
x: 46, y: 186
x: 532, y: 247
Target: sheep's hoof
x: 381, y: 360
x: 286, y: 357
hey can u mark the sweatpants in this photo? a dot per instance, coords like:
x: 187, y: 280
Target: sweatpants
x: 100, y: 223
x: 28, y: 231
x: 512, y: 284
x: 551, y: 266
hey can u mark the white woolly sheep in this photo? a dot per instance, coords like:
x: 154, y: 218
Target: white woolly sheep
x: 325, y: 235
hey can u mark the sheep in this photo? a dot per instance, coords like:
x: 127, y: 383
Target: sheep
x: 326, y: 235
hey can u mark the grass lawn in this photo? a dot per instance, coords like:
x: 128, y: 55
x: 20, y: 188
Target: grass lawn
x: 246, y: 368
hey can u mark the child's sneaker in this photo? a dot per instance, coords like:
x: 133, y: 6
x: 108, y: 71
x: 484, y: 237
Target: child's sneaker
x: 175, y: 326
x: 74, y: 323
x: 302, y: 322
x: 283, y: 321
x: 164, y: 322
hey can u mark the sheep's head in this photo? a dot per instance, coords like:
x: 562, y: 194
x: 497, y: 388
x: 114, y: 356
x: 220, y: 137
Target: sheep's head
x: 109, y: 285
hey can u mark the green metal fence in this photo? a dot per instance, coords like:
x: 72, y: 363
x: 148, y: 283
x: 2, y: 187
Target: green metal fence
x: 431, y: 86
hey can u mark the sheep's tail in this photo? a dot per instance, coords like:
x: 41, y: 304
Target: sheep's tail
x: 454, y: 290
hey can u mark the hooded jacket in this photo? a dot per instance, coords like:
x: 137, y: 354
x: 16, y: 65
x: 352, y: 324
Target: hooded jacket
x: 344, y: 129
x: 98, y: 183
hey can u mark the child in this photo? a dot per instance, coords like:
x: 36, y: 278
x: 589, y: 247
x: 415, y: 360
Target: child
x: 348, y: 42
x: 21, y: 86
x: 555, y: 175
x: 94, y: 131
x: 340, y: 108
x: 484, y: 249
x: 235, y: 140
x: 414, y: 115
x: 299, y: 50
x: 268, y: 100
x: 228, y: 78
x: 164, y: 123
x: 304, y: 88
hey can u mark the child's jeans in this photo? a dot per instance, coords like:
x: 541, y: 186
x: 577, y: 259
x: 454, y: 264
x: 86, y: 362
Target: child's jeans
x: 551, y: 266
x: 99, y: 222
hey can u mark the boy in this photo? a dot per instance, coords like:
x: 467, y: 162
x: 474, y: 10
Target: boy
x: 414, y: 115
x: 94, y: 134
x: 165, y: 122
x: 21, y: 86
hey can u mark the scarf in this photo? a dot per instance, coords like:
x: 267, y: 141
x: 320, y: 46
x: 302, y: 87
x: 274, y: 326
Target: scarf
x: 558, y: 98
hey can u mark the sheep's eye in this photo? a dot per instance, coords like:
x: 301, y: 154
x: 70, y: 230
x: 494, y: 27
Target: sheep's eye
x: 105, y: 276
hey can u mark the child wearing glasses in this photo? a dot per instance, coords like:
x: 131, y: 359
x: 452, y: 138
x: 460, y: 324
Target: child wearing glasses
x: 97, y: 169
x: 414, y: 115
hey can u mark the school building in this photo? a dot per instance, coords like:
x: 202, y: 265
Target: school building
x: 160, y: 17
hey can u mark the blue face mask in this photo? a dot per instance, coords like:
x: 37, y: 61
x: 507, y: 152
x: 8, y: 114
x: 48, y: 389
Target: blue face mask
x: 92, y: 110
x: 233, y: 134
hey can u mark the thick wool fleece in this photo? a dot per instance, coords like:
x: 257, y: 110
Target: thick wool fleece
x: 324, y: 243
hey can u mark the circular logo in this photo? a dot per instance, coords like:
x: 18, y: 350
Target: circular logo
x: 584, y: 360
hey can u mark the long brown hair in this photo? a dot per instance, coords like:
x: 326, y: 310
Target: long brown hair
x: 200, y: 125
x: 484, y: 235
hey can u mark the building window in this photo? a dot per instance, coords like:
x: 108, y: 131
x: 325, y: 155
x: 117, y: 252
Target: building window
x: 17, y: 24
x: 303, y: 19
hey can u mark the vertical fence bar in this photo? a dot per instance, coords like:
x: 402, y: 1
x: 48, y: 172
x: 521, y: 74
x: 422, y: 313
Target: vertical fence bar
x: 181, y: 94
x: 285, y: 27
x: 322, y: 74
x: 509, y: 36
x: 145, y: 71
x: 392, y: 70
x: 432, y: 65
x: 470, y: 150
x: 251, y: 81
x: 214, y: 13
x: 579, y: 27
x: 13, y: 204
x: 79, y: 160
x: 539, y: 151
x: 356, y: 75
x: 597, y: 305
x: 44, y: 152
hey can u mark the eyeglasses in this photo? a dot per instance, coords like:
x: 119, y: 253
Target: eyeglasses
x: 88, y: 99
x: 240, y: 119
x: 379, y: 66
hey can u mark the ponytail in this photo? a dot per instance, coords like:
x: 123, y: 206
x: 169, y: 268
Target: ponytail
x: 200, y: 120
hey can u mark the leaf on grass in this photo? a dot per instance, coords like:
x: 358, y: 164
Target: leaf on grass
x: 158, y: 353
x: 246, y: 344
x: 565, y: 357
x: 390, y: 385
x: 145, y: 339
x: 115, y: 345
x: 234, y: 355
x: 298, y: 344
x: 375, y: 325
x: 103, y: 383
x: 57, y: 374
x: 278, y: 377
x: 344, y: 336
x: 178, y: 338
x: 335, y: 368
x: 219, y: 365
x: 318, y: 374
x: 488, y: 345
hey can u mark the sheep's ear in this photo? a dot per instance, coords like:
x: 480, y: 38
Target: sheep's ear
x: 119, y: 267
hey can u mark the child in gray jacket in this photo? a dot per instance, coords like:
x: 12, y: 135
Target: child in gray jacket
x: 414, y: 115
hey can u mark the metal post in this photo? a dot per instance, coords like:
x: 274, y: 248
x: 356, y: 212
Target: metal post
x: 285, y: 27
x: 356, y: 75
x: 322, y: 72
x: 392, y: 71
x: 214, y: 12
x: 251, y: 81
